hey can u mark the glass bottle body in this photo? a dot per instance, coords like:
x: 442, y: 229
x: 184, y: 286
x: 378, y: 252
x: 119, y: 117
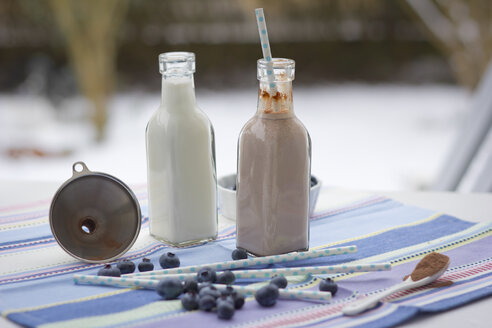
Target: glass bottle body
x: 274, y: 167
x: 181, y: 172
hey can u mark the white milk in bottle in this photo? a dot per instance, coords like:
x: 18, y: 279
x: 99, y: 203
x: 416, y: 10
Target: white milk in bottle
x: 181, y: 174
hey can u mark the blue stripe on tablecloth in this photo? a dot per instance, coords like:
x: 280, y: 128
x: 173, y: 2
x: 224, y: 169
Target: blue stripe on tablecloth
x: 408, y: 236
x: 37, y: 231
x: 22, y: 216
x: 100, y: 306
x: 383, y: 215
x: 454, y: 302
x: 20, y: 241
x: 399, y: 315
x: 394, y: 239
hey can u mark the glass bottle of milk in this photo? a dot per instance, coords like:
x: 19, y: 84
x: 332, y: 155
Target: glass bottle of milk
x: 181, y: 174
x: 274, y: 168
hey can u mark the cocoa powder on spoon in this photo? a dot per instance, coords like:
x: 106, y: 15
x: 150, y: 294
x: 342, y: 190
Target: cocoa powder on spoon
x: 428, y: 266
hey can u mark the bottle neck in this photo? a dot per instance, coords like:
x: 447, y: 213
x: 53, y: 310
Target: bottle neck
x: 275, y: 104
x: 178, y: 93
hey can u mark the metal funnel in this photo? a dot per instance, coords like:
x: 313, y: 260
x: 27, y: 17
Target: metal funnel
x: 94, y: 216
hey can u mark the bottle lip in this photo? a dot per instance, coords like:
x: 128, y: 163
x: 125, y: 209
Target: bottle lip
x: 283, y: 69
x: 278, y: 63
x: 177, y: 63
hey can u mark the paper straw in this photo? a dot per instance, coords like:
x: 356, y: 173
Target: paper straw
x: 296, y: 271
x: 218, y: 266
x: 331, y: 269
x: 265, y: 47
x: 152, y: 284
x: 283, y: 293
x: 81, y: 279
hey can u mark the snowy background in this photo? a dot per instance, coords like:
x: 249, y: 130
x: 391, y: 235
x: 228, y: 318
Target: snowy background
x: 382, y: 86
x: 377, y: 137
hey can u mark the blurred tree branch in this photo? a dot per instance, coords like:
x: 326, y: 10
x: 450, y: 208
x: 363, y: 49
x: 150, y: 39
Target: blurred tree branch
x: 462, y: 30
x: 90, y: 29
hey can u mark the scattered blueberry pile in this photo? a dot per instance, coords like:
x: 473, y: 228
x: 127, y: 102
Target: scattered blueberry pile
x: 199, y: 293
x: 206, y: 297
x: 203, y: 296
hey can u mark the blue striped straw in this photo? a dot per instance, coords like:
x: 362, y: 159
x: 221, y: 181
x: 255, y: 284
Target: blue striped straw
x: 283, y: 272
x: 152, y: 284
x: 265, y: 47
x: 218, y: 266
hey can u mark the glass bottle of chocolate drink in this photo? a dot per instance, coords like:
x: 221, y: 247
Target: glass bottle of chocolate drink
x: 274, y: 168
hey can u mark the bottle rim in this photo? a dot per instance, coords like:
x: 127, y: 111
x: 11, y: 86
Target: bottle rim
x: 283, y: 70
x: 176, y: 62
x: 278, y: 63
x: 177, y: 56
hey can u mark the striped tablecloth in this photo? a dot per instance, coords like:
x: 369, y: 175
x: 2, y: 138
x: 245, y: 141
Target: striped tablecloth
x: 36, y: 287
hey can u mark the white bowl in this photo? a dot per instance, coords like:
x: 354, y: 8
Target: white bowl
x: 227, y: 196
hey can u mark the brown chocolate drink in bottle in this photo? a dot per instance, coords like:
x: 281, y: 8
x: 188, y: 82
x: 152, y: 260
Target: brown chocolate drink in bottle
x: 274, y: 168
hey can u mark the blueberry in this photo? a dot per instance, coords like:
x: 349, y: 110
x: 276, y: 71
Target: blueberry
x: 225, y: 310
x: 238, y: 300
x: 145, y: 265
x: 203, y: 285
x: 267, y: 295
x: 169, y: 260
x: 233, y: 187
x: 190, y: 285
x: 226, y: 277
x: 169, y: 288
x: 239, y: 254
x: 227, y: 291
x: 328, y: 285
x: 109, y: 271
x: 209, y: 290
x: 206, y: 275
x: 224, y: 298
x: 206, y: 303
x: 190, y: 301
x: 280, y: 282
x: 126, y: 266
x: 313, y: 181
